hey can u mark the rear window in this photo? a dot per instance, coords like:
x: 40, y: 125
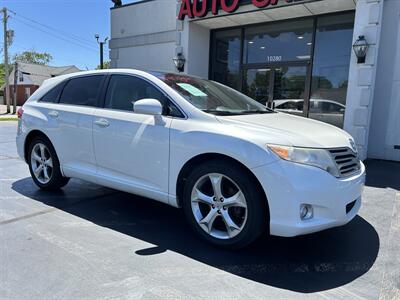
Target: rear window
x: 82, y: 91
x: 53, y: 94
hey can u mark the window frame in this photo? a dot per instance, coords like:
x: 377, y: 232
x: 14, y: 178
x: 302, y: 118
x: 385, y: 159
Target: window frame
x: 106, y: 86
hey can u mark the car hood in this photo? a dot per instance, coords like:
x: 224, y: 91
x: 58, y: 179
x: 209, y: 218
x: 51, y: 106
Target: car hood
x: 281, y: 128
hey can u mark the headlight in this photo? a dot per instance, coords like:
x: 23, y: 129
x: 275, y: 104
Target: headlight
x: 319, y: 158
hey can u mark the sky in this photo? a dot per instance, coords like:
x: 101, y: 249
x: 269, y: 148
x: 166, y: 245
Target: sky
x: 63, y: 28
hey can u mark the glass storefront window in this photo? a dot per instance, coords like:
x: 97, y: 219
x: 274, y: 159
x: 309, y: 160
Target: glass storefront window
x: 256, y: 84
x: 333, y: 42
x: 289, y: 83
x: 286, y: 41
x: 226, y: 60
x: 277, y: 68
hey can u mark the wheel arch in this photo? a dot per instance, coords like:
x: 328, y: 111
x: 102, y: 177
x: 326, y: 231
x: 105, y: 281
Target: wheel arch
x: 190, y: 164
x: 29, y: 138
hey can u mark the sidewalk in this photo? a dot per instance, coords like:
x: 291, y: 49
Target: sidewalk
x: 7, y: 117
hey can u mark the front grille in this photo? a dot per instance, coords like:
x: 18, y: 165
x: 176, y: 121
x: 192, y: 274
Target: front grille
x: 346, y: 160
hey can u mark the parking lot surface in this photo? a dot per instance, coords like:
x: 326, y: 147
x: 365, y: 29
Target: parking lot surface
x: 91, y: 242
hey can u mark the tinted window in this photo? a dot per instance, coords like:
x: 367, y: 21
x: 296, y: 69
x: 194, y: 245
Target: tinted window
x: 271, y: 43
x: 256, y: 84
x: 291, y: 105
x: 82, y: 91
x: 333, y: 42
x: 226, y: 59
x: 124, y: 90
x: 53, y: 94
x: 331, y: 107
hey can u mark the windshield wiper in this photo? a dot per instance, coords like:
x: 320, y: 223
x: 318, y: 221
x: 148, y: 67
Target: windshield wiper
x: 236, y: 113
x: 258, y: 112
x: 221, y: 112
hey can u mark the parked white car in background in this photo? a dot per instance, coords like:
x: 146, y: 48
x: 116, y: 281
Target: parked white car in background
x: 324, y: 110
x: 235, y: 167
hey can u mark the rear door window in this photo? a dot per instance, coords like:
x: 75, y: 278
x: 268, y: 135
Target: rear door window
x: 82, y: 91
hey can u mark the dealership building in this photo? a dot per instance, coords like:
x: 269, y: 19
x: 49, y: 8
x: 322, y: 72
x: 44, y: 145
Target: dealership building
x: 337, y: 61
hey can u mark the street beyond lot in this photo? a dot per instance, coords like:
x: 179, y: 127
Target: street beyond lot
x: 90, y: 242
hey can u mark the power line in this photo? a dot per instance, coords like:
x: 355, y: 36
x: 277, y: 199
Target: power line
x: 72, y: 36
x: 57, y: 36
x: 16, y: 18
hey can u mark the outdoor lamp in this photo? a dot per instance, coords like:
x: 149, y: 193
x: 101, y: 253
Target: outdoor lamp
x: 179, y: 61
x: 360, y: 48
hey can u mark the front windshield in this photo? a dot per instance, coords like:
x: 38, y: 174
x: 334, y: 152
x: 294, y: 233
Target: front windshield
x: 212, y: 97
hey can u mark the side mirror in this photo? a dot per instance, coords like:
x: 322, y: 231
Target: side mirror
x: 148, y: 107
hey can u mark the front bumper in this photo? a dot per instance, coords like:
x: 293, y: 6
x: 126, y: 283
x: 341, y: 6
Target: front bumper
x: 288, y: 185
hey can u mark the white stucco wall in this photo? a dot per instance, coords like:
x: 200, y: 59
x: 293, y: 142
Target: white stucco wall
x: 385, y: 121
x: 143, y: 35
x: 195, y: 42
x: 361, y: 84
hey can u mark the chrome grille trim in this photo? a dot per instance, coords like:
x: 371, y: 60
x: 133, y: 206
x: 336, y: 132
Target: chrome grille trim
x: 346, y: 161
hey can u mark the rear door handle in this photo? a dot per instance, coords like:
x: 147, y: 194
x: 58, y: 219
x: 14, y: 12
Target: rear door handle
x: 102, y: 123
x: 53, y: 113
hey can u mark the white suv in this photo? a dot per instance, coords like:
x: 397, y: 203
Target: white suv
x: 235, y: 167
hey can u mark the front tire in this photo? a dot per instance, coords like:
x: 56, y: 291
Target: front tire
x: 223, y: 204
x: 44, y: 165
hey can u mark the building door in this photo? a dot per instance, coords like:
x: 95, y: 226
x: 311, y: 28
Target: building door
x: 281, y: 86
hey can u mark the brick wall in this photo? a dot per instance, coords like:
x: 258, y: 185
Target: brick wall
x: 21, y: 92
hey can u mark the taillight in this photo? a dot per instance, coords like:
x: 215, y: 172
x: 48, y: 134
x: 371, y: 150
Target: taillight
x: 20, y: 112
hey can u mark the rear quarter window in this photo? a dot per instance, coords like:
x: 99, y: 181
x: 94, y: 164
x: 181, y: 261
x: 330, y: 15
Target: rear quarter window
x: 53, y: 95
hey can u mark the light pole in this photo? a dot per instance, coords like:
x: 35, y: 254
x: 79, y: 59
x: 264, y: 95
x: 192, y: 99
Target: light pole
x: 101, y: 49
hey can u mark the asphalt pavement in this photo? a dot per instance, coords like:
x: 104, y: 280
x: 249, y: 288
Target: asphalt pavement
x: 91, y: 242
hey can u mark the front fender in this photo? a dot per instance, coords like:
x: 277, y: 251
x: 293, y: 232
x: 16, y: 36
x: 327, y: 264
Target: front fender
x: 189, y: 139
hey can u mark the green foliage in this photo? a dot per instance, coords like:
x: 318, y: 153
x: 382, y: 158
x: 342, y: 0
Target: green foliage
x: 106, y: 65
x: 2, y: 77
x: 33, y: 57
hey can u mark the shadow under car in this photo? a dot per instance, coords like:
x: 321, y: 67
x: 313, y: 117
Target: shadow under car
x: 307, y: 264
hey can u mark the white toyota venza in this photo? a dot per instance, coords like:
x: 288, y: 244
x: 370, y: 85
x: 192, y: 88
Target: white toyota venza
x: 236, y: 168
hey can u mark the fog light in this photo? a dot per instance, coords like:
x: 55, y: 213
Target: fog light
x: 306, y: 211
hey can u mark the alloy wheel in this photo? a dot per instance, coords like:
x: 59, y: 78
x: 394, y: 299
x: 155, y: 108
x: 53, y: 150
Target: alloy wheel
x: 219, y: 206
x: 42, y: 163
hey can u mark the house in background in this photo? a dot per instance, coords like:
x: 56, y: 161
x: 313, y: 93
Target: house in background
x: 31, y: 76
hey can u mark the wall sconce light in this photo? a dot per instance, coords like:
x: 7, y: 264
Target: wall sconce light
x: 179, y: 61
x: 360, y: 48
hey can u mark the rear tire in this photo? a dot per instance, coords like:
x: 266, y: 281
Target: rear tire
x: 223, y: 205
x: 44, y: 165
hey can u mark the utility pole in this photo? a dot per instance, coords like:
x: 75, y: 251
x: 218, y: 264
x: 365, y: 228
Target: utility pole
x: 7, y: 89
x: 101, y: 49
x: 15, y: 87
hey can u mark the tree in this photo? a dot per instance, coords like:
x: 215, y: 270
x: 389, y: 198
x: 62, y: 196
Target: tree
x: 33, y: 57
x: 2, y: 75
x: 106, y: 65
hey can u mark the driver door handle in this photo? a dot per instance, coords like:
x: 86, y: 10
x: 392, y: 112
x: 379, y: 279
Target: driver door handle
x: 102, y: 123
